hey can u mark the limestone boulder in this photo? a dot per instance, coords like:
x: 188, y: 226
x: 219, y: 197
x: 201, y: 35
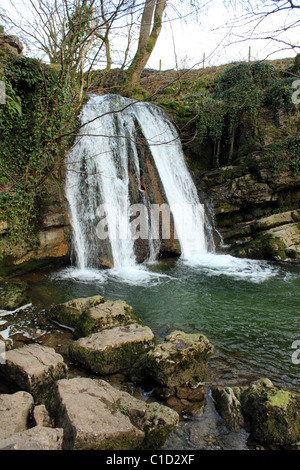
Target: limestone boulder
x: 33, y: 368
x: 71, y: 313
x: 95, y: 415
x: 112, y: 350
x: 274, y: 414
x: 15, y: 410
x: 36, y: 438
x: 228, y: 404
x: 41, y: 417
x: 180, y: 360
x: 92, y: 314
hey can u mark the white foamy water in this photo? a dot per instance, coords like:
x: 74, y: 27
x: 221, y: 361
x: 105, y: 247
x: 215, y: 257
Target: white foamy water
x: 218, y: 264
x: 98, y: 175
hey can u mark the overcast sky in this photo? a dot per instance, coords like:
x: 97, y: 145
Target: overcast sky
x: 216, y: 36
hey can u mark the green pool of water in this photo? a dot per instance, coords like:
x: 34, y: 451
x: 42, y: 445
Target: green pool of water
x: 248, y: 310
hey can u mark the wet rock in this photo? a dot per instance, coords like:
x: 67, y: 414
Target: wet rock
x: 274, y: 414
x: 112, y: 350
x: 15, y: 411
x: 96, y: 415
x: 13, y: 295
x: 90, y: 315
x: 228, y: 405
x: 36, y: 438
x: 33, y: 368
x: 178, y: 361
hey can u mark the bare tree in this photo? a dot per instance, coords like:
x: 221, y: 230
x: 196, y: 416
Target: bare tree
x: 151, y: 24
x: 275, y: 21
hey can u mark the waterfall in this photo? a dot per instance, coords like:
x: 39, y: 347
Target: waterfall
x: 105, y: 171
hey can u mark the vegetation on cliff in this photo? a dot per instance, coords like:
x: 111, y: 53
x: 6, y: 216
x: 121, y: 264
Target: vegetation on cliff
x: 40, y: 107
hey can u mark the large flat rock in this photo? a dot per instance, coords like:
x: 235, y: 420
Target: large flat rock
x: 33, y: 368
x: 96, y: 415
x: 112, y: 350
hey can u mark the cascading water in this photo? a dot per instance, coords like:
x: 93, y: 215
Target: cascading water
x: 100, y: 167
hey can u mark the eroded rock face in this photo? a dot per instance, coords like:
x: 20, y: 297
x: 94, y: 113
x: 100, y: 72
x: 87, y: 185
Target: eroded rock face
x: 95, y: 415
x: 238, y: 195
x: 33, y: 368
x: 228, y: 404
x: 53, y: 245
x: 112, y: 350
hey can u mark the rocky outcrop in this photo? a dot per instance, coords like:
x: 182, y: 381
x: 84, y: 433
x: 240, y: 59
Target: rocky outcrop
x: 92, y: 314
x: 276, y: 237
x: 272, y: 415
x: 53, y: 245
x: 96, y: 416
x: 33, y: 368
x: 179, y: 361
x: 112, y: 350
x: 250, y: 211
x: 18, y: 431
x: 10, y: 44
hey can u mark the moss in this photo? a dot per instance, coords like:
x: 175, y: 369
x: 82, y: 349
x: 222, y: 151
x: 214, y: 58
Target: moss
x: 273, y: 413
x: 13, y: 295
x: 127, y: 441
x: 281, y: 398
x: 110, y: 360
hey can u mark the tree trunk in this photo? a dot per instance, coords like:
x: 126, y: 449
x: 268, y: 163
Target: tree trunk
x: 147, y: 39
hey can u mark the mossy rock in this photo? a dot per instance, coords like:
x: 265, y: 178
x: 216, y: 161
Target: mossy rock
x: 274, y: 414
x: 92, y: 314
x: 112, y: 350
x: 180, y: 360
x: 13, y: 295
x: 71, y: 313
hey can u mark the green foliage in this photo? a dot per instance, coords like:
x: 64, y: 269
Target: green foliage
x: 240, y: 94
x: 279, y: 95
x: 284, y: 155
x: 39, y: 108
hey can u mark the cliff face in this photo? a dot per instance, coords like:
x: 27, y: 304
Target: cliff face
x: 250, y: 212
